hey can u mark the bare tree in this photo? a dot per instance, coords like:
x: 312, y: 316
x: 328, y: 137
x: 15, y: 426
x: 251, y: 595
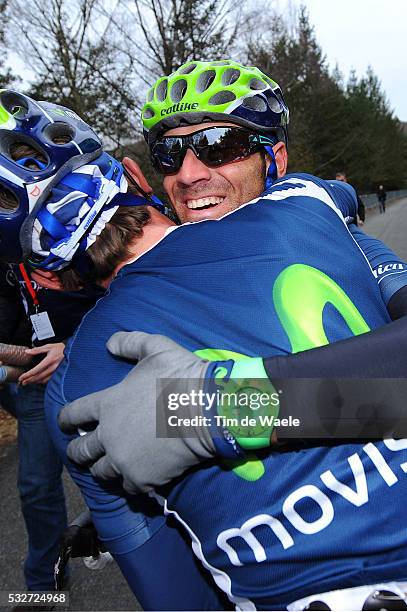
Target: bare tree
x: 98, y: 56
x: 6, y: 75
x: 66, y: 44
x: 160, y: 35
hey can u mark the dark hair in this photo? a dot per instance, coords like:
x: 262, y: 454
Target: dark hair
x: 111, y: 247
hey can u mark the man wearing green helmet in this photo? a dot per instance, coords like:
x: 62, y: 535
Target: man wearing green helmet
x: 197, y: 123
x: 252, y: 117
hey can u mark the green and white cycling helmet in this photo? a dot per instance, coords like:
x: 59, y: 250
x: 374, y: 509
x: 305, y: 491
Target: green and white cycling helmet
x: 200, y: 92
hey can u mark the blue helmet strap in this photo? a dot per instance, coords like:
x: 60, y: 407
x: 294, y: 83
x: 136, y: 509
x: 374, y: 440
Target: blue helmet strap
x: 51, y: 225
x: 49, y: 222
x: 80, y: 182
x: 272, y: 170
x: 26, y: 161
x: 152, y: 200
x: 128, y: 199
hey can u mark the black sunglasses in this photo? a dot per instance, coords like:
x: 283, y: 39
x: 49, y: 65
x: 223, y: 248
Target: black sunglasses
x: 213, y: 146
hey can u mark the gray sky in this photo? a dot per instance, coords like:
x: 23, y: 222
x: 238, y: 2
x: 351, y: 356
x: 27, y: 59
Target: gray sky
x: 356, y: 33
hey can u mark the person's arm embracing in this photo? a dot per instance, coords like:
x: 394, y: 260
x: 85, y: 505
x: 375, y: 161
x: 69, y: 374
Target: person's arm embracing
x: 128, y: 415
x: 125, y: 441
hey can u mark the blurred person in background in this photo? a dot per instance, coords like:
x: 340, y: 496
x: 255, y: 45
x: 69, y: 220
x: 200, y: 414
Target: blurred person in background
x: 381, y: 196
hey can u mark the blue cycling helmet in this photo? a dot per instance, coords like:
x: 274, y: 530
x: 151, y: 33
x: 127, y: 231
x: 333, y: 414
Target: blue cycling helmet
x: 62, y: 142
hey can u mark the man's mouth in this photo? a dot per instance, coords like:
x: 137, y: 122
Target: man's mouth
x: 204, y: 202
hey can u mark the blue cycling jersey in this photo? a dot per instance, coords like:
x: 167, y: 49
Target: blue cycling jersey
x: 282, y: 525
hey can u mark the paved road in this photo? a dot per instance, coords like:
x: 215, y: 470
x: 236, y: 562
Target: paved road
x: 91, y: 590
x: 390, y: 227
x: 105, y: 589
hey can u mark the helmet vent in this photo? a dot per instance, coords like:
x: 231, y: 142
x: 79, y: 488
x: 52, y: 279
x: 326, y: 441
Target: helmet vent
x: 8, y: 201
x: 161, y: 90
x: 178, y: 90
x: 150, y: 94
x: 187, y: 69
x: 19, y: 112
x: 274, y: 105
x: 223, y: 63
x: 59, y: 133
x: 256, y: 103
x: 148, y: 113
x: 205, y: 80
x: 17, y: 146
x: 230, y: 76
x: 222, y: 97
x: 257, y: 84
x: 14, y: 103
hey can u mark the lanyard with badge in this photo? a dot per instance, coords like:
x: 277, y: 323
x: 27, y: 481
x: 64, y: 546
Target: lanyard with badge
x: 39, y: 320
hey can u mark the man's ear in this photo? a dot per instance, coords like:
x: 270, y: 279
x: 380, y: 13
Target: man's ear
x: 135, y: 171
x: 280, y: 154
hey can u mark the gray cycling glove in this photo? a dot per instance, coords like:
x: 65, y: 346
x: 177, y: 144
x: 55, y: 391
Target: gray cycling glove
x: 167, y: 415
x: 125, y: 440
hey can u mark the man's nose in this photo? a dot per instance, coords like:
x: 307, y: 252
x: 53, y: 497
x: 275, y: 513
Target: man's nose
x: 192, y: 170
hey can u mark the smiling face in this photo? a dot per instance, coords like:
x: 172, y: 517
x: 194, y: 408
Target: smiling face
x: 199, y: 192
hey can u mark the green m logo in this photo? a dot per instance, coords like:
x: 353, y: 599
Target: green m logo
x: 300, y: 294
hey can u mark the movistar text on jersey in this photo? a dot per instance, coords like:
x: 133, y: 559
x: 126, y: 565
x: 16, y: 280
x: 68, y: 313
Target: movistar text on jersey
x: 252, y: 400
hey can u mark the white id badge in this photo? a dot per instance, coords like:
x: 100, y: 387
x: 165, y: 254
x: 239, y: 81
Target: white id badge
x: 42, y: 325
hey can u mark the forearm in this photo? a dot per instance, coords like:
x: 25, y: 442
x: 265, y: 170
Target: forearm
x: 360, y: 382
x: 378, y: 354
x: 14, y: 355
x: 381, y: 353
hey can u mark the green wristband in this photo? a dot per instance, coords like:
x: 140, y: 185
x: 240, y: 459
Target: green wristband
x: 249, y: 404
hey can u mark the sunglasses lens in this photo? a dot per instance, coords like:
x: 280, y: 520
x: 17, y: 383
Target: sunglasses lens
x: 213, y: 146
x: 225, y: 145
x: 167, y: 155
